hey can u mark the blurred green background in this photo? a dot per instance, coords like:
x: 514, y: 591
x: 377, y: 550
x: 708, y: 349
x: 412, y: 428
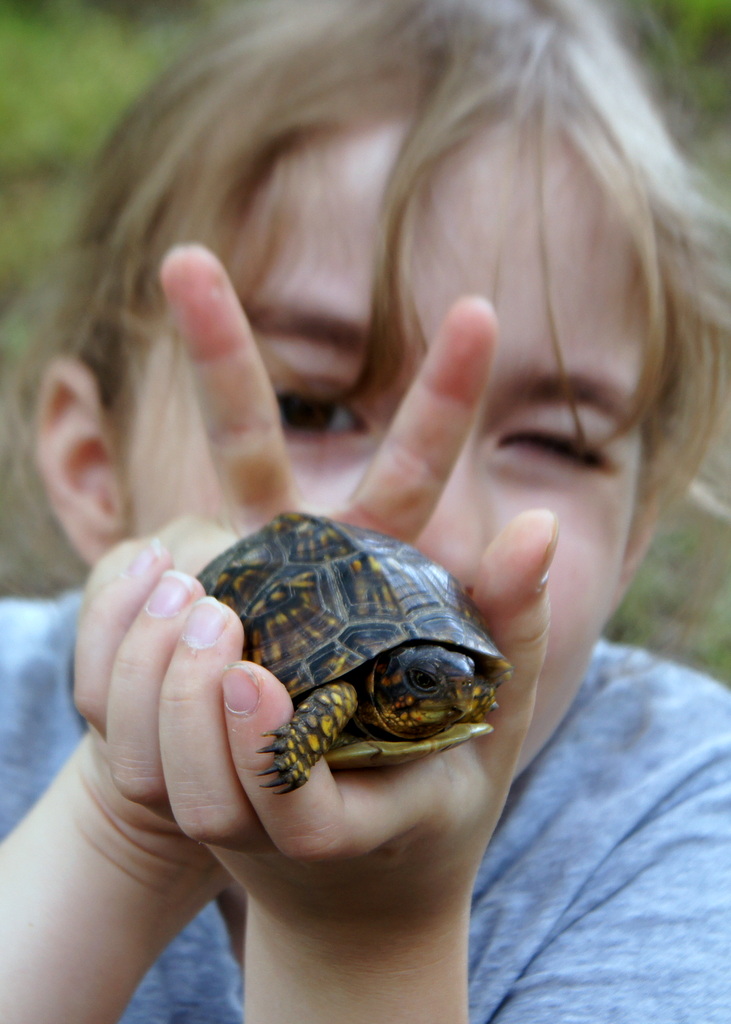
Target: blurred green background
x: 68, y: 67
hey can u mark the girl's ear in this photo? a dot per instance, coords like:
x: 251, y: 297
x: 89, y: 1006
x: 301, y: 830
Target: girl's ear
x: 75, y: 459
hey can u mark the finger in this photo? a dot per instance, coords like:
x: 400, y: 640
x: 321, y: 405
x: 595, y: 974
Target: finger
x: 407, y: 476
x: 205, y: 793
x: 132, y: 718
x: 194, y: 541
x: 117, y: 590
x: 332, y: 816
x: 239, y: 405
x: 511, y: 591
x: 464, y: 787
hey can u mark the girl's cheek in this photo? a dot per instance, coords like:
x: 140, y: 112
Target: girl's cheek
x: 166, y: 490
x: 327, y: 473
x: 327, y: 488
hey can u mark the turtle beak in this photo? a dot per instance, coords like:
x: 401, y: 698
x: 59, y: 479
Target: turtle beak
x: 463, y: 694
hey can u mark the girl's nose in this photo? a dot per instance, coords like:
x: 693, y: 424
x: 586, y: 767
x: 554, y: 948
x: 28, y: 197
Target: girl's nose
x: 461, y: 524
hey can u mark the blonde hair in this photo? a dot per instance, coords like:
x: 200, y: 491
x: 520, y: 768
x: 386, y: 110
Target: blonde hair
x: 191, y: 157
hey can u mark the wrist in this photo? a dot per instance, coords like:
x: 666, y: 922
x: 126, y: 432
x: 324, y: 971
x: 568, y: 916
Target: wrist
x: 146, y: 848
x: 360, y: 969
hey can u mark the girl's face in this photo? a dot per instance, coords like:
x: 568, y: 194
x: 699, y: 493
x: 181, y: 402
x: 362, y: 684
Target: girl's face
x: 479, y: 233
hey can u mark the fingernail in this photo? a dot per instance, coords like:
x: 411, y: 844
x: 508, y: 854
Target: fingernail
x: 240, y: 690
x: 144, y: 559
x: 170, y: 595
x: 204, y: 624
x: 549, y: 553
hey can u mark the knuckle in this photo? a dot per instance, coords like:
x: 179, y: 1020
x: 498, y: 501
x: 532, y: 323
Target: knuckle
x: 535, y: 637
x: 526, y: 633
x: 139, y: 784
x: 301, y: 842
x: 108, y: 568
x: 413, y: 465
x: 102, y: 606
x: 131, y: 666
x: 248, y: 434
x: 91, y: 706
x: 211, y: 823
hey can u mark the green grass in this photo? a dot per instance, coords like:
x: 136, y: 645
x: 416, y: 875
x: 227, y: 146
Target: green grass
x: 65, y: 76
x: 680, y: 602
x: 66, y: 72
x: 689, y: 43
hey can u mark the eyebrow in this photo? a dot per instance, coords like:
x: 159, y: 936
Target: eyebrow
x: 314, y: 325
x: 582, y: 389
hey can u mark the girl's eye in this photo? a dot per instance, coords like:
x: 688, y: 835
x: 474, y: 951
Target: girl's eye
x: 569, y: 448
x: 310, y: 415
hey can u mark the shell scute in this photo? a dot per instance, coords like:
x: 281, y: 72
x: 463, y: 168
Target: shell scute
x: 302, y: 544
x: 365, y: 588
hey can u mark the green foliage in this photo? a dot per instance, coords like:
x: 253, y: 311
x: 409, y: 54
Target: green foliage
x: 680, y: 601
x: 695, y: 23
x: 66, y: 71
x: 689, y: 43
x: 63, y: 77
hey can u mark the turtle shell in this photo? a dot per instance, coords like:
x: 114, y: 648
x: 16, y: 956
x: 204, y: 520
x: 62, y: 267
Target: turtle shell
x: 318, y: 598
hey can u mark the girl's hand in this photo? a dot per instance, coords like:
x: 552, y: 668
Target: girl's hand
x: 131, y: 619
x: 359, y: 878
x: 403, y: 483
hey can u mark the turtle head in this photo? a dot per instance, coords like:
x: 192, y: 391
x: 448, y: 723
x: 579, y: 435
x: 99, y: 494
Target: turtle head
x: 417, y: 690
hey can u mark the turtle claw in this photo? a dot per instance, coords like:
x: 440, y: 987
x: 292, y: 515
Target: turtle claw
x: 292, y: 764
x: 284, y: 786
x: 316, y: 725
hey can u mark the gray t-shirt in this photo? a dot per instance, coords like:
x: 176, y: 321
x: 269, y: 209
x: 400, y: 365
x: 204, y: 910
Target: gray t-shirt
x: 605, y: 893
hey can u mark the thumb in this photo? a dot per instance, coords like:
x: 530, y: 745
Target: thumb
x: 511, y: 591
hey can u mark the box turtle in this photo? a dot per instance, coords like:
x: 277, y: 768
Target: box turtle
x: 385, y: 656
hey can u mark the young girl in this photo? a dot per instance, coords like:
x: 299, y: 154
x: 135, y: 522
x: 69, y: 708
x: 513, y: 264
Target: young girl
x: 385, y: 183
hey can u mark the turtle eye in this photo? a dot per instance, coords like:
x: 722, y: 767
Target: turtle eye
x: 425, y: 682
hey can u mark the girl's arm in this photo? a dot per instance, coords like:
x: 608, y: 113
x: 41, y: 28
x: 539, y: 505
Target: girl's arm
x: 92, y: 887
x: 82, y: 917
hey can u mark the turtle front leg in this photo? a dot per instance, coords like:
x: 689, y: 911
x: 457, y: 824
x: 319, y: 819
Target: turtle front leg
x: 315, y: 726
